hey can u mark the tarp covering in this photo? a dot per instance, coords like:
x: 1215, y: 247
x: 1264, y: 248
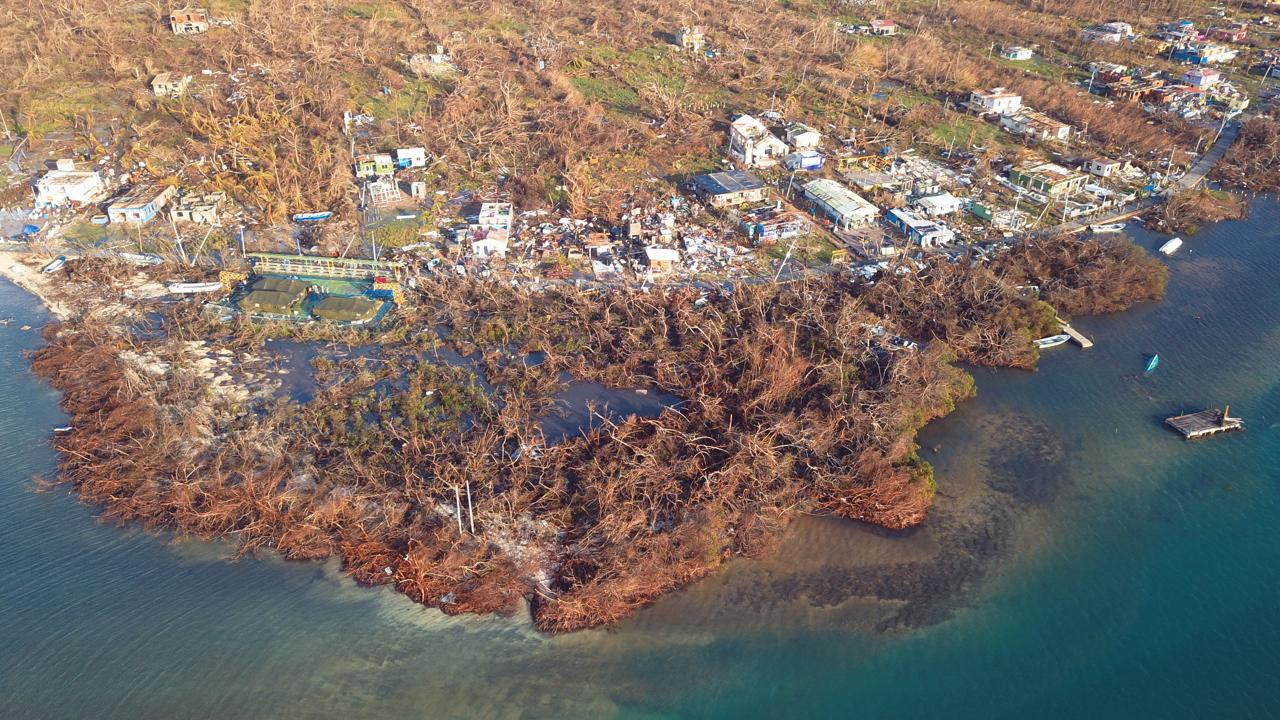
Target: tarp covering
x: 269, y: 301
x: 347, y: 309
x: 295, y: 288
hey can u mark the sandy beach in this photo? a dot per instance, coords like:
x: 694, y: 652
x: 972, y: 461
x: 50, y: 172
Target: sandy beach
x: 23, y: 270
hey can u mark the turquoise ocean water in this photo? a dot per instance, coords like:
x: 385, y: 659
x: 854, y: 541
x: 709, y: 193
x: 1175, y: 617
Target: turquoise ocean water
x: 1081, y: 561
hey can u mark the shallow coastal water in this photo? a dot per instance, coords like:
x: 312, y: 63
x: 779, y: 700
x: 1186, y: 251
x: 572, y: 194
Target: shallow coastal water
x: 1081, y: 560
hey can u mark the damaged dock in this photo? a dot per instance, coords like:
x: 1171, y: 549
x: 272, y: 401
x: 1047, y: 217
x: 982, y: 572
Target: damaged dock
x: 1205, y: 423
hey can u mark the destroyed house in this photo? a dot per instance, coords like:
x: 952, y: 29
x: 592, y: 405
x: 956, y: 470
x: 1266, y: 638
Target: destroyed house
x: 733, y: 187
x: 690, y: 38
x: 924, y: 232
x: 140, y: 204
x: 374, y: 165
x: 198, y: 208
x: 751, y: 143
x: 1048, y: 178
x: 63, y: 187
x: 171, y: 85
x: 771, y: 224
x: 1037, y: 125
x: 996, y: 101
x: 491, y: 232
x: 189, y: 21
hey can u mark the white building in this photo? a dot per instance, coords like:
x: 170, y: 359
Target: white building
x: 1102, y: 167
x: 843, y: 206
x: 938, y: 205
x: 491, y: 232
x: 1112, y: 32
x: 414, y: 157
x: 921, y: 231
x: 997, y: 101
x: 802, y: 137
x: 1016, y: 52
x: 751, y: 143
x: 1202, y: 77
x: 1037, y: 125
x: 76, y: 187
x: 660, y: 260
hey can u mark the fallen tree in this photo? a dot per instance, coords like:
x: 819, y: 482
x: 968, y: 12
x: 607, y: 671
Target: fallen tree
x: 422, y: 462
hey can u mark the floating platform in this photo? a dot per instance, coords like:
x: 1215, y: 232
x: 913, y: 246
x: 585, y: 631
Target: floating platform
x: 1205, y: 423
x: 1076, y: 335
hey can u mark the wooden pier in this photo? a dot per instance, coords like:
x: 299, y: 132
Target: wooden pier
x: 1205, y: 423
x: 1076, y: 335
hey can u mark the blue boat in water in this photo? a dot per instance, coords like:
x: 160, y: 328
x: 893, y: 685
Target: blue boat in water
x: 1152, y: 363
x: 312, y: 216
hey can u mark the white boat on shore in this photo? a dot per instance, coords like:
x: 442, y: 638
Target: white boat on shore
x: 1106, y: 228
x: 140, y: 259
x: 56, y: 265
x: 1052, y: 341
x: 1171, y: 247
x: 185, y: 288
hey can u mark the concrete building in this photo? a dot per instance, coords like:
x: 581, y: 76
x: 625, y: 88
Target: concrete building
x: 751, y: 143
x: 1112, y: 32
x: 690, y: 38
x: 922, y: 231
x: 1102, y: 167
x: 1205, y: 54
x: 1048, y: 178
x: 414, y: 157
x: 939, y: 205
x: 189, y: 21
x: 375, y: 165
x: 996, y: 101
x: 169, y: 84
x: 491, y: 232
x: 727, y: 189
x: 201, y: 209
x: 140, y: 204
x: 1016, y: 52
x: 801, y: 137
x: 661, y: 261
x: 59, y: 188
x: 843, y: 206
x: 882, y: 28
x: 1037, y: 125
x: 1202, y: 77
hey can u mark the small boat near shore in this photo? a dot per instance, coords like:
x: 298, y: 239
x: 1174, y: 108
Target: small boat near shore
x: 1052, y: 341
x: 62, y: 430
x: 1106, y: 228
x: 306, y: 217
x: 186, y: 288
x: 1171, y: 246
x: 140, y: 259
x: 56, y: 265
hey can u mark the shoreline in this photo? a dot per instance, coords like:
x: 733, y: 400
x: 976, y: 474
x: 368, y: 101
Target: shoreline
x: 33, y: 281
x: 577, y: 563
